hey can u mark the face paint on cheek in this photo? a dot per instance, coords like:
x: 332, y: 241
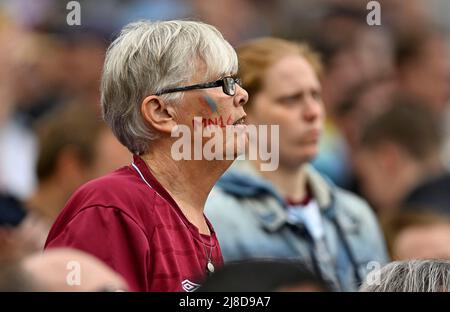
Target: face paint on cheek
x: 215, y: 121
x: 211, y: 103
x: 206, y: 115
x: 200, y: 120
x: 211, y: 106
x: 208, y: 105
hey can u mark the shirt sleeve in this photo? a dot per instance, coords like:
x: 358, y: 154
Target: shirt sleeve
x: 113, y: 237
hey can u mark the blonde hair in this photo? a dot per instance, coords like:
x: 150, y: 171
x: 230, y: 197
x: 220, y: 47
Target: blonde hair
x: 256, y: 56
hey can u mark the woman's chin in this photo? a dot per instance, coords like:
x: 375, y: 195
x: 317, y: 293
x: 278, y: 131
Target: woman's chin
x: 302, y: 157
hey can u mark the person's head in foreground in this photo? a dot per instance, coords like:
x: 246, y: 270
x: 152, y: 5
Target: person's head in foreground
x: 410, y: 276
x: 162, y: 83
x: 286, y: 212
x: 61, y: 269
x: 262, y: 276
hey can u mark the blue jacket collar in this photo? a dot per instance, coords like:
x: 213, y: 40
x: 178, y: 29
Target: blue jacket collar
x: 244, y: 181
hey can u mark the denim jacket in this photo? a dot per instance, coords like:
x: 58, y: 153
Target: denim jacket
x: 251, y: 221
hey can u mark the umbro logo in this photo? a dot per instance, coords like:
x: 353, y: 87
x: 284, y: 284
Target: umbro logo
x: 189, y: 286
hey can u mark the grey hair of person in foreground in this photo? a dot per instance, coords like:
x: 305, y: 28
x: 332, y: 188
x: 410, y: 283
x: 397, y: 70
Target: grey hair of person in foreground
x: 410, y: 276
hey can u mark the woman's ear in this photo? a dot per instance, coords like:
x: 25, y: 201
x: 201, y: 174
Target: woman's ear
x: 158, y: 113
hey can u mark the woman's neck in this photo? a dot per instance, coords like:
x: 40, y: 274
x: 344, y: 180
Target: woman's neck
x: 290, y: 182
x: 187, y: 181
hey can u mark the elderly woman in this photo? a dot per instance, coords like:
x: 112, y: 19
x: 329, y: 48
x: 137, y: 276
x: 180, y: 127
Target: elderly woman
x: 292, y: 212
x: 146, y: 220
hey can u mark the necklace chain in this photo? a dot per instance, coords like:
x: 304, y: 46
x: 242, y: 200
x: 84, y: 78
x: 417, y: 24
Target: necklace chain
x: 209, y: 263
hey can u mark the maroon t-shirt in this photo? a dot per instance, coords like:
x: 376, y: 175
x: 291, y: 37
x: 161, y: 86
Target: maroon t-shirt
x: 128, y: 220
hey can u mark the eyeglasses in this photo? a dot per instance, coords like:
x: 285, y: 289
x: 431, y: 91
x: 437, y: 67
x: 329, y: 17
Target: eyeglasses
x: 228, y: 85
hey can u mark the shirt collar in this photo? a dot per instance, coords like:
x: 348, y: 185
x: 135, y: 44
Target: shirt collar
x: 153, y: 183
x: 272, y: 214
x: 148, y: 177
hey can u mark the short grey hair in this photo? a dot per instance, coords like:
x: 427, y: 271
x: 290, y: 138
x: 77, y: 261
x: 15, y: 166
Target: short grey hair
x: 410, y: 276
x: 148, y: 57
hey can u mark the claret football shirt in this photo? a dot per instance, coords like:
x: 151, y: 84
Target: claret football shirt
x: 129, y: 221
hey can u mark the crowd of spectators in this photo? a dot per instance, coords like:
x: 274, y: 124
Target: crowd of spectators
x: 384, y: 150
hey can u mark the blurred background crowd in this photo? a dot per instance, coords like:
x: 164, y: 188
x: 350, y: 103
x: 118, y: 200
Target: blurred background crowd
x: 386, y: 91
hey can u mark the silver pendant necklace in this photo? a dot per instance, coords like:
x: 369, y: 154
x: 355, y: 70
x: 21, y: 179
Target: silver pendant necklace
x: 210, y: 267
x: 209, y: 264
